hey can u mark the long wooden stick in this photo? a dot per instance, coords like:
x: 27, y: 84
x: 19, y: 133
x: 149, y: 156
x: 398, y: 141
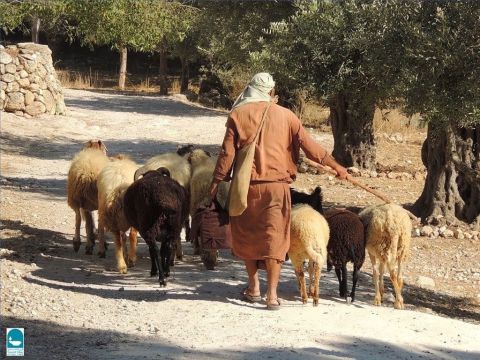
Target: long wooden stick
x: 350, y: 179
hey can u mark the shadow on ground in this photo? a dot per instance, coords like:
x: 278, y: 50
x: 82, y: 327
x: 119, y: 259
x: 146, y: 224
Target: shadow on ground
x: 60, y: 268
x: 45, y: 340
x: 65, y: 148
x: 140, y: 104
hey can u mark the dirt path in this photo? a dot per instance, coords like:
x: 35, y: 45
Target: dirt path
x: 75, y: 306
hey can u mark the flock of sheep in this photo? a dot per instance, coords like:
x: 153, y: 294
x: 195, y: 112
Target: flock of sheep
x: 157, y: 199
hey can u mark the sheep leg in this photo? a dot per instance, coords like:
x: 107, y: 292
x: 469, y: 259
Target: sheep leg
x: 382, y: 284
x: 344, y: 280
x: 398, y: 292
x: 119, y: 253
x: 377, y: 301
x: 154, y: 258
x: 311, y: 276
x: 132, y: 250
x: 78, y: 223
x: 186, y: 225
x: 102, y: 246
x: 301, y: 284
x: 178, y: 248
x: 338, y: 271
x: 89, y: 228
x: 316, y: 292
x: 154, y: 268
x: 355, y: 279
x: 166, y: 255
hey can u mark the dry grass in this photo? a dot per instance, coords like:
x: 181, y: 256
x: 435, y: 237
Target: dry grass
x: 79, y: 80
x: 385, y: 121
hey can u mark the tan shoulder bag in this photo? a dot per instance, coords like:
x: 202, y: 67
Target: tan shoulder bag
x: 242, y: 174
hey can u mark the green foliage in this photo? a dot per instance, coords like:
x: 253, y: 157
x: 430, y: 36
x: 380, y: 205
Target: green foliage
x: 442, y: 75
x: 14, y: 13
x: 232, y: 33
x: 135, y: 24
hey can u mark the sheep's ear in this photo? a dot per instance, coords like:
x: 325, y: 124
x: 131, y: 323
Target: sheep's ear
x: 208, y: 154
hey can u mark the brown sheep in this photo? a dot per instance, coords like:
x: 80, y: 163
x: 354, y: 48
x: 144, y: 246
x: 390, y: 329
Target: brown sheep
x: 82, y: 194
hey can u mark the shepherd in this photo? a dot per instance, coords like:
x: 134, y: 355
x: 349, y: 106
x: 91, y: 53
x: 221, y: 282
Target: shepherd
x: 261, y: 234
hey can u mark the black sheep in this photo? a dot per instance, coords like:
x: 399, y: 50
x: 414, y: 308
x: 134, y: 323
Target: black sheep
x: 347, y: 238
x: 157, y: 206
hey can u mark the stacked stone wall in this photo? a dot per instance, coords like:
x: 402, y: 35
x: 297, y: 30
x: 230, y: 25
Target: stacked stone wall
x: 28, y: 83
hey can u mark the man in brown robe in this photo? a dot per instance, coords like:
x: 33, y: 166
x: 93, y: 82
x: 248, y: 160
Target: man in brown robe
x: 262, y: 232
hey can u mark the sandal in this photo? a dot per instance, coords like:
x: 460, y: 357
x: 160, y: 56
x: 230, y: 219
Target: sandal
x: 274, y: 306
x: 251, y: 298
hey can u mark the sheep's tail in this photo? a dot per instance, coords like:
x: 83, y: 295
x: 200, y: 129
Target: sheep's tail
x: 314, y: 255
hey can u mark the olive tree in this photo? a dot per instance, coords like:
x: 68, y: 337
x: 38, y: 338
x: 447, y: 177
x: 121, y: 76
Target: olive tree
x: 442, y: 83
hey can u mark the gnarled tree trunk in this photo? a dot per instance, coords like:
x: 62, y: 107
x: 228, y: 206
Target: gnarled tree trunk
x: 123, y: 67
x: 352, y: 127
x: 452, y: 187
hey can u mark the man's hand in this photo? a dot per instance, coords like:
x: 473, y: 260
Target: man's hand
x: 342, y: 173
x: 213, y: 191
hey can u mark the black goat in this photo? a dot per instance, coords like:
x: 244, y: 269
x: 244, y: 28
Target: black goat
x: 157, y: 206
x: 347, y: 238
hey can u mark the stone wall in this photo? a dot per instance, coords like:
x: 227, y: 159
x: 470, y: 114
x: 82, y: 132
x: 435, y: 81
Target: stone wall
x: 28, y: 83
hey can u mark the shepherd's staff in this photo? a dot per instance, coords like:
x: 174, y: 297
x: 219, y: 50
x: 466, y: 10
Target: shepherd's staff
x: 356, y: 183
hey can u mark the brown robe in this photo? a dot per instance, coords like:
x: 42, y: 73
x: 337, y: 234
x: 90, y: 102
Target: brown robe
x: 263, y: 230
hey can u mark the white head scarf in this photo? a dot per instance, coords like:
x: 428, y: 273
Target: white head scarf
x: 257, y: 90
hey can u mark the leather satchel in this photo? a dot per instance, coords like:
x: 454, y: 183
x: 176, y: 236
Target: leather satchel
x: 242, y: 173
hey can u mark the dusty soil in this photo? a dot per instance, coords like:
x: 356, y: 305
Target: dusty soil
x: 75, y: 306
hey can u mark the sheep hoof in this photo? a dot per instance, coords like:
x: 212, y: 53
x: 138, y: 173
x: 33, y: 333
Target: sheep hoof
x: 131, y: 262
x: 304, y: 301
x: 162, y: 283
x: 89, y: 250
x: 398, y: 305
x: 76, y: 245
x: 101, y: 254
x: 377, y: 302
x: 349, y: 300
x: 315, y: 302
x: 122, y: 269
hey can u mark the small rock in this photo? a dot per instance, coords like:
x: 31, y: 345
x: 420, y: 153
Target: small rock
x: 447, y: 233
x: 468, y: 236
x: 302, y: 168
x: 442, y: 229
x: 417, y: 232
x: 392, y: 175
x: 121, y: 289
x: 458, y: 233
x: 353, y: 170
x: 426, y: 231
x: 425, y: 282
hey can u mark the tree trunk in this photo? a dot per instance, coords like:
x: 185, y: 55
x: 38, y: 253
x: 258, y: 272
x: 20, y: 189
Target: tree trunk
x: 452, y: 186
x: 185, y: 75
x: 352, y: 127
x: 35, y: 29
x: 162, y: 70
x: 123, y: 67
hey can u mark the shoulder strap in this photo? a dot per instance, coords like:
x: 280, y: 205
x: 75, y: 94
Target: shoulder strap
x: 262, y: 121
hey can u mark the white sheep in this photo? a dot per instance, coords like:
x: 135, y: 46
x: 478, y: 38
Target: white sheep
x: 112, y: 183
x: 203, y: 166
x: 309, y: 234
x: 82, y: 194
x: 388, y: 232
x: 180, y: 171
